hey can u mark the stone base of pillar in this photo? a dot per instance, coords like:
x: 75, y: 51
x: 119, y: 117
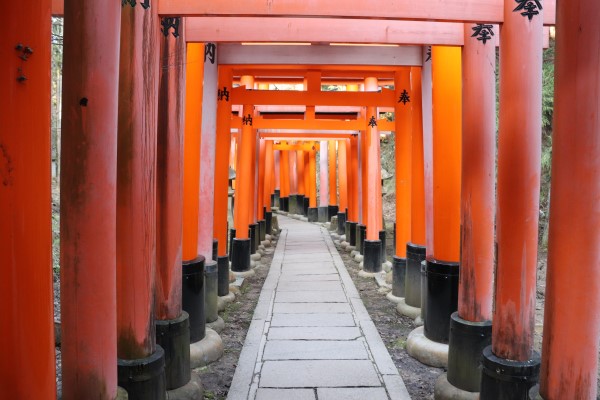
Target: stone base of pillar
x: 467, y: 341
x: 191, y: 391
x: 394, y: 299
x: 399, y: 276
x: 323, y: 214
x: 427, y: 351
x: 341, y: 223
x: 217, y: 325
x: 313, y: 214
x: 415, y: 254
x: 192, y: 296
x: 444, y: 390
x: 372, y: 261
x: 332, y: 211
x: 223, y: 301
x: 144, y: 378
x: 223, y: 275
x: 174, y: 337
x: 382, y: 238
x: 408, y: 311
x: 206, y: 351
x: 305, y: 206
x: 262, y: 230
x: 442, y: 299
x: 211, y: 282
x: 240, y: 259
x: 507, y: 379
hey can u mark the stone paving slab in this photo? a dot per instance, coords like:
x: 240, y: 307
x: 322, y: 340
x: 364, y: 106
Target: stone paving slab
x: 311, y: 308
x: 311, y: 338
x: 318, y: 373
x: 315, y: 350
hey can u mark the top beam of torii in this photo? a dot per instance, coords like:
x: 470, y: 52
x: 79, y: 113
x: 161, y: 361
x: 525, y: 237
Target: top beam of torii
x: 475, y: 11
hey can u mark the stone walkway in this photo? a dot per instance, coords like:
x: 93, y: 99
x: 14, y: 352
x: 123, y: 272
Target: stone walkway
x: 311, y: 336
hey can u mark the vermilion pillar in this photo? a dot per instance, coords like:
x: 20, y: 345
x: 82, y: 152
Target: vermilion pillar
x: 302, y: 189
x: 26, y: 297
x: 571, y: 323
x: 427, y: 110
x: 260, y: 192
x: 306, y: 200
x: 372, y: 246
x: 343, y: 188
x: 519, y: 148
x: 351, y: 217
x: 442, y: 268
x: 293, y: 178
x: 313, y: 215
x: 470, y: 327
x: 403, y: 154
x: 284, y: 174
x: 323, y: 181
x: 276, y: 177
x: 269, y: 185
x: 136, y: 201
x: 333, y: 207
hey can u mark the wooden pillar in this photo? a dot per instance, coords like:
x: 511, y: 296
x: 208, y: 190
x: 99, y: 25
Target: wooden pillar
x: 284, y: 174
x: 427, y: 109
x: 208, y: 132
x: 136, y: 182
x: 169, y: 187
x: 222, y: 154
x: 26, y: 296
x: 571, y: 326
x: 342, y: 175
x: 373, y: 170
x: 261, y: 180
x: 351, y: 183
x: 323, y: 174
x: 250, y: 198
x: 417, y: 204
x: 300, y: 172
x: 518, y: 190
x: 354, y: 213
x: 403, y: 150
x: 244, y: 175
x: 269, y: 176
x: 194, y: 75
x: 312, y: 173
x: 331, y: 148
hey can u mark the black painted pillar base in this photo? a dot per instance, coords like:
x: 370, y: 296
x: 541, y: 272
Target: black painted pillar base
x: 332, y: 211
x: 442, y: 299
x: 192, y: 297
x: 223, y: 275
x: 341, y: 220
x: 211, y: 279
x: 305, y: 206
x: 382, y: 238
x: 215, y: 249
x: 361, y: 236
x: 394, y: 244
x: 415, y: 254
x: 372, y: 260
x: 174, y: 337
x: 276, y: 197
x: 144, y: 378
x: 300, y: 204
x: 262, y: 230
x: 323, y: 213
x: 359, y: 239
x: 284, y: 204
x: 240, y: 255
x: 506, y: 379
x: 253, y: 237
x: 313, y: 214
x: 399, y: 276
x: 293, y: 204
x: 467, y: 341
x: 268, y: 222
x: 424, y: 290
x: 231, y: 237
x: 273, y: 204
x: 351, y: 233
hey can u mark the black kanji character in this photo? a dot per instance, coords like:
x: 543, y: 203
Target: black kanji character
x: 530, y: 6
x: 404, y: 97
x: 373, y: 122
x: 168, y: 23
x: 210, y: 51
x: 483, y: 32
x: 223, y: 94
x: 247, y: 120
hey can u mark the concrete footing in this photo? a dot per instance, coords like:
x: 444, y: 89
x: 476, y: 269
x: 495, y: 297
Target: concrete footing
x: 244, y: 274
x: 122, y: 394
x: 359, y: 258
x: 386, y: 266
x: 191, y: 391
x: 365, y: 274
x: 223, y: 301
x: 217, y: 325
x: 255, y: 257
x: 207, y: 350
x: 425, y: 350
x: 444, y: 390
x: 393, y: 298
x: 408, y: 311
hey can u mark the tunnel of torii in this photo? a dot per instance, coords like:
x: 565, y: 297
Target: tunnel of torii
x: 163, y: 98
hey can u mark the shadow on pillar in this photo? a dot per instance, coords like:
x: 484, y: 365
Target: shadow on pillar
x: 442, y: 299
x: 240, y: 255
x: 341, y: 219
x: 332, y: 211
x: 372, y: 260
x: 313, y: 214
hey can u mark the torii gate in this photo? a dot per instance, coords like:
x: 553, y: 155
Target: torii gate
x: 91, y: 100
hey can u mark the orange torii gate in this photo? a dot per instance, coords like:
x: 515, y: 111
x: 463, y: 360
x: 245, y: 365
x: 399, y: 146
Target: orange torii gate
x: 92, y: 112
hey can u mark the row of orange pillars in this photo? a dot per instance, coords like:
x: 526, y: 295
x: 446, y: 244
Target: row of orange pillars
x: 124, y: 202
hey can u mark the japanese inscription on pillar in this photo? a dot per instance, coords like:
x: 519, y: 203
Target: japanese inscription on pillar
x: 145, y: 4
x: 23, y: 52
x: 528, y: 8
x: 404, y: 97
x: 373, y: 122
x: 210, y: 52
x: 223, y: 94
x: 483, y: 32
x: 428, y: 54
x: 247, y: 120
x: 168, y: 23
